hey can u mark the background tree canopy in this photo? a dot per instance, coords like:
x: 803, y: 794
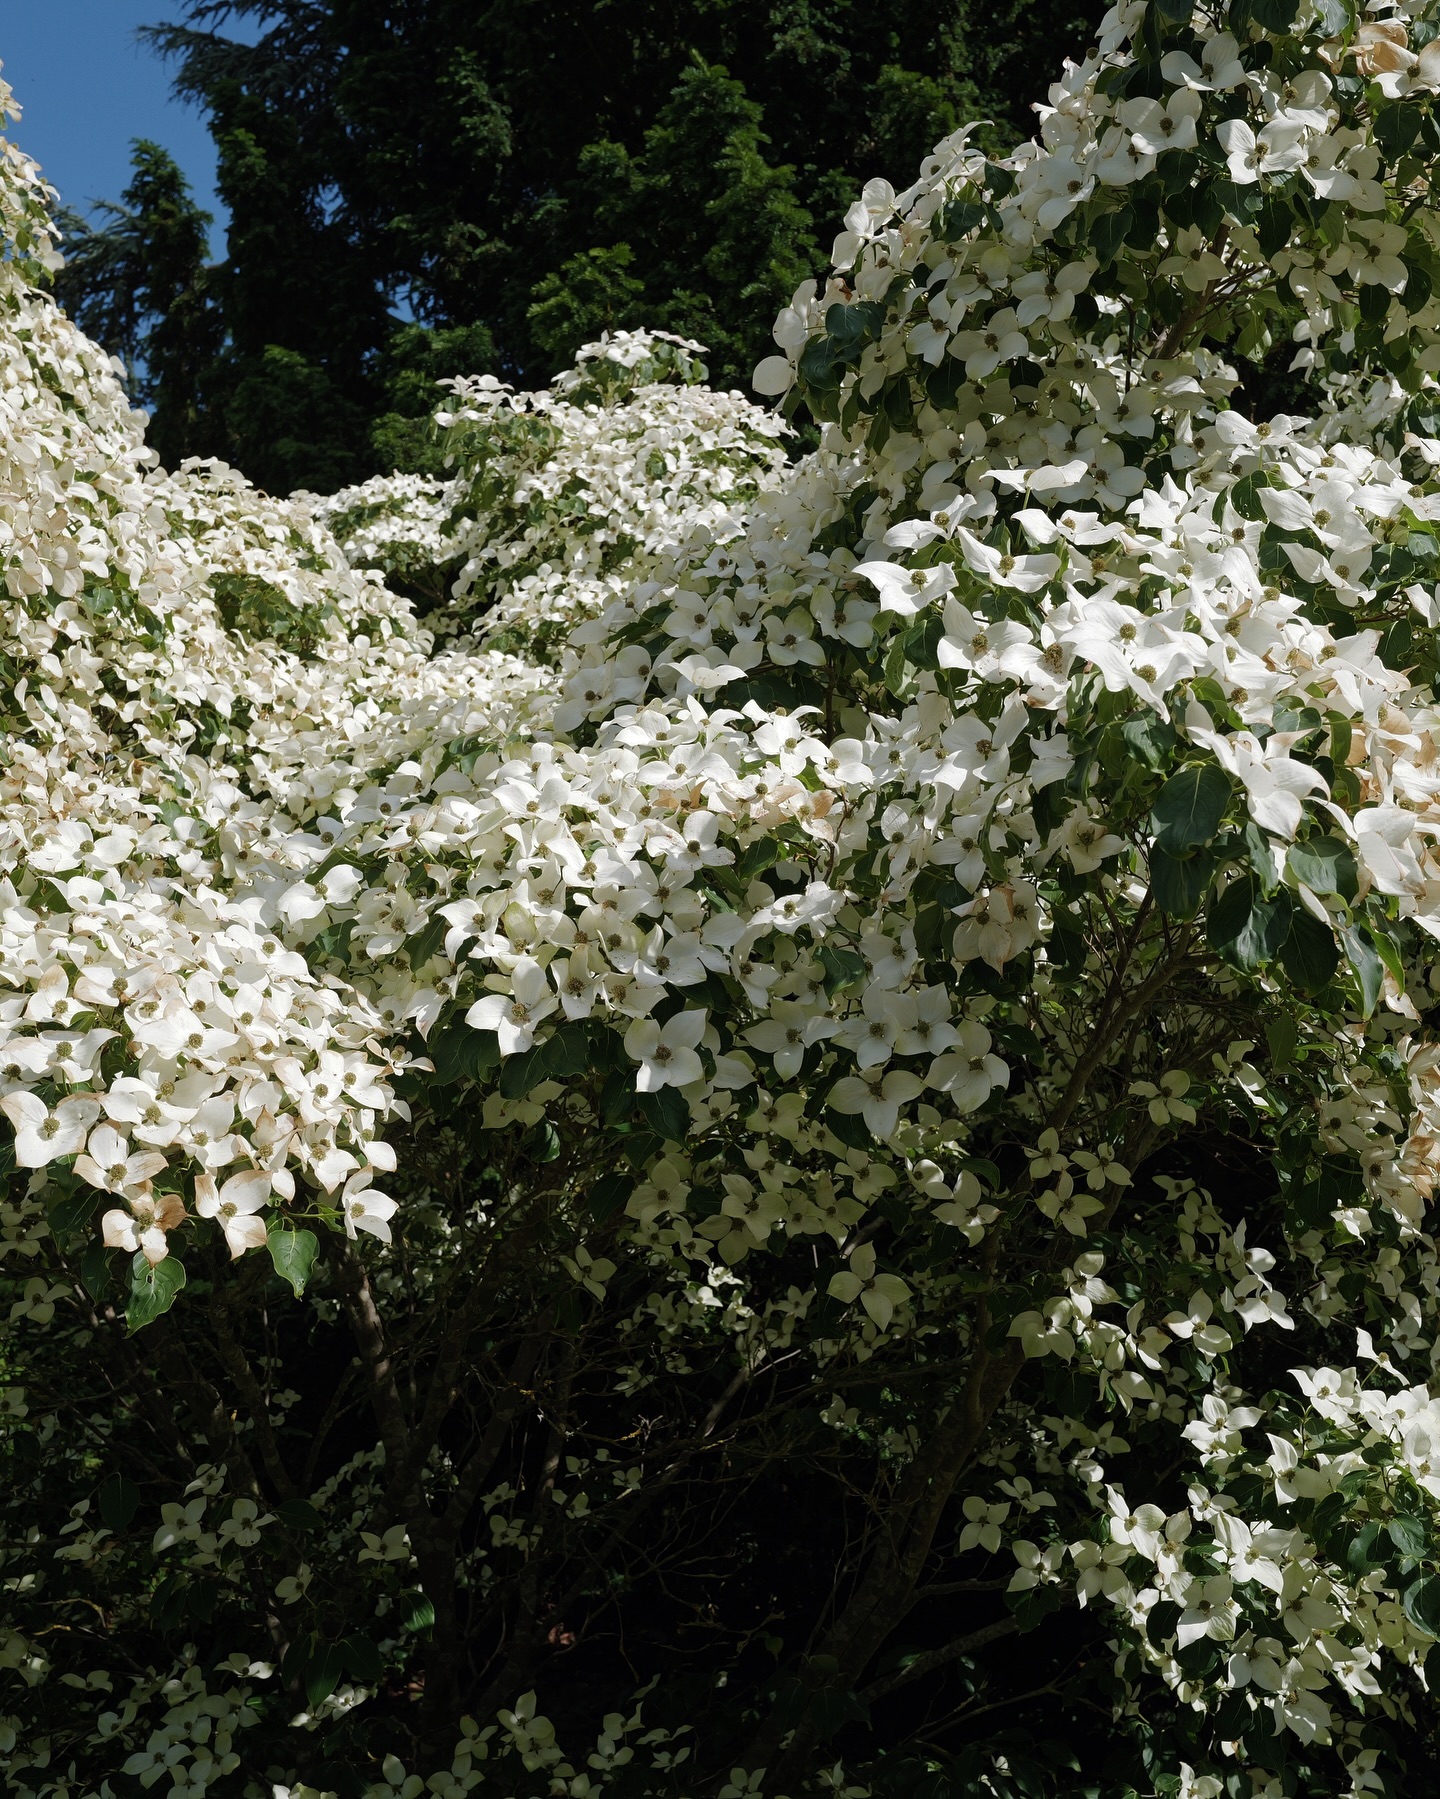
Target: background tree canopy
x: 433, y: 187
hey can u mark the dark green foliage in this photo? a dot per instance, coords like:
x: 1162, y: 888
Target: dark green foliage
x: 517, y: 178
x: 139, y: 284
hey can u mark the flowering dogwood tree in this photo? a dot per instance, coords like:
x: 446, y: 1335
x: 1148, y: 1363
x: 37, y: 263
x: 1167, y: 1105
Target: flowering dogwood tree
x: 803, y: 1154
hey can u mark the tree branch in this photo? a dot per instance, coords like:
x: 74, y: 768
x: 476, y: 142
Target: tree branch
x: 937, y: 1658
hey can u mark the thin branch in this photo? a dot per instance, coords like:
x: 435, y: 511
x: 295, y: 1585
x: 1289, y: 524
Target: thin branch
x: 938, y: 1658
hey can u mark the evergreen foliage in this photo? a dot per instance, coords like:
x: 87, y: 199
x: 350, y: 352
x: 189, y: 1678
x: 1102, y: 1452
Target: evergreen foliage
x: 515, y: 179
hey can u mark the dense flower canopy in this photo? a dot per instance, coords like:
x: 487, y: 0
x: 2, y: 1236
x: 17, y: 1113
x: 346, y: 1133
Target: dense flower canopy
x: 856, y: 897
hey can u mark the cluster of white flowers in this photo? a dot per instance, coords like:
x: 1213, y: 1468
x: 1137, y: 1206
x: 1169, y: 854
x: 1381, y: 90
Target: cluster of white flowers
x: 561, y: 500
x: 858, y: 873
x: 397, y: 524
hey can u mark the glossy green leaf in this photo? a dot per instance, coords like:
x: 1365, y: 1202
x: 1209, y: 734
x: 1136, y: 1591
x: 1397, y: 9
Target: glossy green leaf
x: 1411, y: 1537
x: 1190, y: 806
x: 414, y: 1611
x: 1246, y: 928
x: 1369, y: 969
x: 1325, y: 865
x: 1261, y: 851
x: 843, y: 968
x: 75, y: 1211
x: 97, y: 1267
x: 152, y: 1290
x: 1422, y: 1604
x: 117, y: 1500
x: 1150, y: 738
x: 293, y: 1253
x: 667, y: 1113
x: 1281, y: 1037
x: 1361, y: 1555
x: 460, y: 1052
x: 1179, y: 883
x: 1309, y: 954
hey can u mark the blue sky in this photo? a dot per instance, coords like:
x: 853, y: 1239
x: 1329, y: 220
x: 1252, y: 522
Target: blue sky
x: 87, y: 87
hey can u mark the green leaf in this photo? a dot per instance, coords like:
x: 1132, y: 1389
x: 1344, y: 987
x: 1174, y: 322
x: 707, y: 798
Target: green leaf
x: 1274, y: 16
x: 414, y: 1611
x: 167, y: 1603
x: 1177, y: 169
x: 1309, y: 954
x: 567, y: 1052
x: 152, y: 1290
x: 1325, y: 865
x: 1244, y: 496
x: 1395, y: 129
x: 1108, y: 233
x: 541, y: 1143
x: 1189, y: 807
x: 898, y: 402
x: 460, y: 1052
x: 72, y: 1213
x: 817, y: 364
x: 1291, y: 714
x: 958, y: 219
x: 609, y: 1195
x: 323, y: 1669
x: 1327, y: 1517
x: 1410, y: 1537
x: 774, y: 688
x: 851, y: 1129
x: 1067, y: 947
x: 96, y: 1267
x: 1246, y: 928
x: 361, y: 1658
x: 117, y: 1500
x: 1180, y: 883
x: 1262, y: 857
x: 1240, y: 200
x: 850, y: 328
x: 1281, y: 1036
x: 427, y: 943
x: 617, y: 1098
x: 922, y: 639
x: 1276, y: 223
x: 1359, y: 1558
x: 1374, y: 303
x: 1422, y: 1604
x: 298, y: 1514
x: 1149, y: 738
x: 563, y: 1054
x: 293, y: 1253
x: 522, y: 1071
x: 1388, y: 951
x: 1369, y: 969
x: 1033, y: 1607
x: 667, y: 1113
x: 1145, y: 224
x: 843, y: 968
x: 755, y: 858
x: 894, y: 667
x: 1338, y: 1183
